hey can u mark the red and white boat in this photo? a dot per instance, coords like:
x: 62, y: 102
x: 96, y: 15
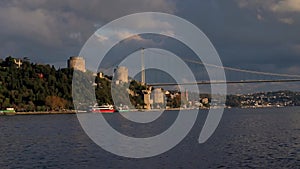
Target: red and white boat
x: 102, y: 109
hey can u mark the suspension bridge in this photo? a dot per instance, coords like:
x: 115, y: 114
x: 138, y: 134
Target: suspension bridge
x: 284, y: 78
x: 164, y: 58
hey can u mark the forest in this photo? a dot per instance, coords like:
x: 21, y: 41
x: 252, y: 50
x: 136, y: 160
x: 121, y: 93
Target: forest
x: 34, y: 87
x: 42, y: 87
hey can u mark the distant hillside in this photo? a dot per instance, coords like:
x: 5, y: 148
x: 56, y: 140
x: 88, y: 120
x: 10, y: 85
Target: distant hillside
x: 37, y: 87
x: 273, y: 99
x: 34, y: 87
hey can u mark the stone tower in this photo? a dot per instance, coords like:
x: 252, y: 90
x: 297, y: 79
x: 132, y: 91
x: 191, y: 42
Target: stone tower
x: 77, y: 63
x: 121, y: 74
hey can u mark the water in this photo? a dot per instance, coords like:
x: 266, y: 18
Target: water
x: 245, y: 138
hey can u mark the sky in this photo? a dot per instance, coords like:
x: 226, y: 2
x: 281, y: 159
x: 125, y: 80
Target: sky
x: 248, y: 34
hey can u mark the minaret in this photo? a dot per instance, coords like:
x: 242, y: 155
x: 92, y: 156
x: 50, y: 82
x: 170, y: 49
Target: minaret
x: 186, y: 94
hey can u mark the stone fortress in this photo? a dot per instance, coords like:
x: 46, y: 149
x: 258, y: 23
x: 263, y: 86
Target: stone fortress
x: 77, y: 63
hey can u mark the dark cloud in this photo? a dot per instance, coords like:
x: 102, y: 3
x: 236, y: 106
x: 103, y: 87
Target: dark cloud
x: 54, y: 29
x: 249, y: 34
x: 256, y: 35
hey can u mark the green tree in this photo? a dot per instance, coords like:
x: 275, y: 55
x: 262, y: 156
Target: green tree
x: 55, y: 102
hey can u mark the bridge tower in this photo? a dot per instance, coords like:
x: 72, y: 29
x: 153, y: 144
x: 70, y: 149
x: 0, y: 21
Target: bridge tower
x: 143, y: 74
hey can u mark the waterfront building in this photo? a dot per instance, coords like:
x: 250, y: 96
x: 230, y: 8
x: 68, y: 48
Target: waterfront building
x: 158, y: 96
x: 77, y: 63
x: 147, y: 99
x: 100, y: 75
x: 205, y: 101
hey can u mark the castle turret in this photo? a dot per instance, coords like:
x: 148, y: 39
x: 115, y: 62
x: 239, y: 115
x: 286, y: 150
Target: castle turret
x: 77, y: 63
x: 121, y: 74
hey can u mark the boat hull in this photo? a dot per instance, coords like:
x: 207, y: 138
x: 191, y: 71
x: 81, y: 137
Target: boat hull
x: 103, y: 111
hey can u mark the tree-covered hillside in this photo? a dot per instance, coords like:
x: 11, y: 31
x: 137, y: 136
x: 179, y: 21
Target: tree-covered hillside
x: 34, y: 87
x: 39, y: 87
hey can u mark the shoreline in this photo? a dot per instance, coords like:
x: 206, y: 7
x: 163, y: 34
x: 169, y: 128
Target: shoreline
x: 74, y: 112
x: 37, y: 113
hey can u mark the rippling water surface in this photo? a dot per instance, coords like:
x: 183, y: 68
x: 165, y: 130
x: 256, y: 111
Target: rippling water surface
x: 245, y: 138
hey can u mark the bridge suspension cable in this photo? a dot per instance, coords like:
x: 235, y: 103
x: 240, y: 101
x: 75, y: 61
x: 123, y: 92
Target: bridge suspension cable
x: 226, y: 82
x: 233, y: 69
x: 244, y: 70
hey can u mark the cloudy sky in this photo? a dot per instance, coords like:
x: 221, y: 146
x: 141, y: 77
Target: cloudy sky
x: 261, y: 35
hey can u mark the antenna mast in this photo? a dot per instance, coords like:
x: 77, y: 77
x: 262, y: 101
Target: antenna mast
x: 143, y: 67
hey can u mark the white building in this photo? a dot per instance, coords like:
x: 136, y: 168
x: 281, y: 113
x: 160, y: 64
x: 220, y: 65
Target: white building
x: 158, y: 97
